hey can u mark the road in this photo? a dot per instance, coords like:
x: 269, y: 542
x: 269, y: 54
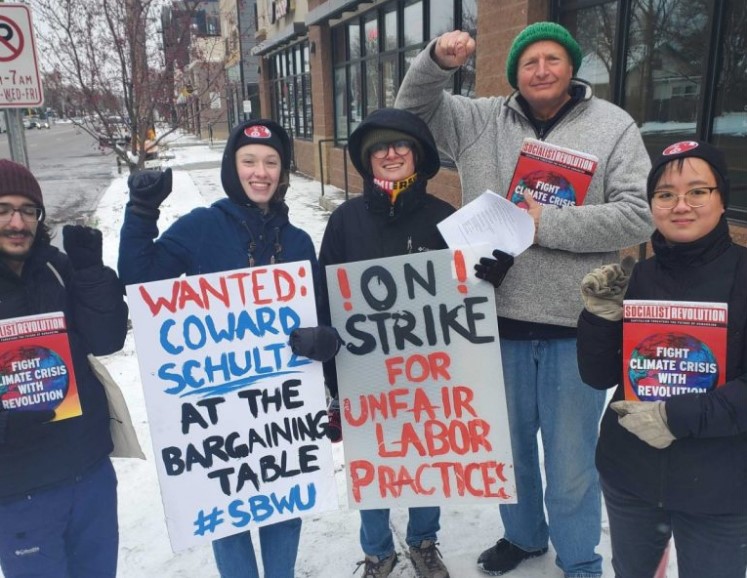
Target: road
x: 72, y: 172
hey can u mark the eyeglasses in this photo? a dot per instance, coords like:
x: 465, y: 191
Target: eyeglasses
x: 380, y: 150
x: 695, y: 198
x: 29, y: 213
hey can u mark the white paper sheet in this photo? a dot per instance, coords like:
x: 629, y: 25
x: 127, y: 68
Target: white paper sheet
x: 492, y: 221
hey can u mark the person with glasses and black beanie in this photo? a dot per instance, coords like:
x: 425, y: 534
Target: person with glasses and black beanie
x: 675, y: 467
x: 58, y: 488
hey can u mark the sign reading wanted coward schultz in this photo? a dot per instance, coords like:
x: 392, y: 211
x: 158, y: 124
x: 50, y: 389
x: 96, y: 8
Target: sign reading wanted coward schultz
x: 423, y: 406
x: 237, y: 421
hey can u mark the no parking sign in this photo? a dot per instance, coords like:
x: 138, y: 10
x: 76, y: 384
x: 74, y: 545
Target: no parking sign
x: 20, y: 85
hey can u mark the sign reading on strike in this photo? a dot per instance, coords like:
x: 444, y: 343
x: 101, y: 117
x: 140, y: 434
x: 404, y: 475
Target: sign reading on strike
x: 20, y: 84
x: 424, y: 414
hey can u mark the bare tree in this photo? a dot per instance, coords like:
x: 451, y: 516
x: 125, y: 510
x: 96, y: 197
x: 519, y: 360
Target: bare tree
x: 110, y: 53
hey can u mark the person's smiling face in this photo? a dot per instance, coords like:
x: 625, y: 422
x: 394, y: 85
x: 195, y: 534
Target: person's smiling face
x: 683, y: 223
x: 393, y: 166
x: 17, y: 231
x: 259, y: 169
x: 543, y: 76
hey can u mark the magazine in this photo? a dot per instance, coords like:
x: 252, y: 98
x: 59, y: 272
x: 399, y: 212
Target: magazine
x: 673, y: 347
x: 36, y: 366
x: 554, y: 175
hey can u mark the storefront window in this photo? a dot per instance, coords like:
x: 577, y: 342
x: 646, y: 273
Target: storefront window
x: 664, y: 70
x: 371, y: 34
x: 389, y: 81
x: 730, y: 119
x: 441, y: 17
x: 341, y: 105
x: 594, y: 29
x: 414, y: 18
x: 676, y: 72
x: 375, y: 70
x: 291, y: 89
x: 391, y: 40
x: 372, y: 86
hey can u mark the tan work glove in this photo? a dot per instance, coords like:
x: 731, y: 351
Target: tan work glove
x: 604, y: 288
x: 646, y: 420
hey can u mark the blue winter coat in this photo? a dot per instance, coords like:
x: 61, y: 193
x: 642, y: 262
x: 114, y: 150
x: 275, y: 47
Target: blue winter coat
x: 210, y: 239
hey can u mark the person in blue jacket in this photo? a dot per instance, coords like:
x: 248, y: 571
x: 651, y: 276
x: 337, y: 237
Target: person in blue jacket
x: 58, y: 488
x: 248, y: 228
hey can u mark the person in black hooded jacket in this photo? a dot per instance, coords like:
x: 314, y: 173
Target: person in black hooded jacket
x: 675, y: 467
x: 394, y: 152
x: 58, y: 488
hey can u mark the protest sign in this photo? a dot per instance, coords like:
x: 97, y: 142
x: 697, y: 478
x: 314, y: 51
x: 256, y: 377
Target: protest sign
x: 421, y: 382
x: 237, y: 421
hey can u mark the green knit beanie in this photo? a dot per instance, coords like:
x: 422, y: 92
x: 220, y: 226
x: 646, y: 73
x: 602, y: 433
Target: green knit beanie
x: 387, y: 135
x: 535, y: 33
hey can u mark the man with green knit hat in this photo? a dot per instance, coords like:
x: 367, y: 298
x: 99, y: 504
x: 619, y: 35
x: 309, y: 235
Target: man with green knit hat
x: 538, y: 303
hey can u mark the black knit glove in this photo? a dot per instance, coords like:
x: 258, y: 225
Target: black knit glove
x: 148, y: 189
x: 494, y: 270
x: 320, y: 343
x: 21, y: 426
x: 82, y: 245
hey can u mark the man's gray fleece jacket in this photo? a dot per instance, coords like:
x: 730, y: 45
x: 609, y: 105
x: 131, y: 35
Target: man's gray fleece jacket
x: 483, y: 136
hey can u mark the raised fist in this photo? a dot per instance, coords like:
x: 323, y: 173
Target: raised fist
x: 148, y: 189
x: 82, y: 245
x: 452, y: 49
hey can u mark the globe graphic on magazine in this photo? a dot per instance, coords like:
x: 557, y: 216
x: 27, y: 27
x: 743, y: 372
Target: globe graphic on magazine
x: 691, y: 358
x: 553, y: 184
x: 32, y: 375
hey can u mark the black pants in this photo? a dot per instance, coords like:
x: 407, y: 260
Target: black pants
x: 708, y: 546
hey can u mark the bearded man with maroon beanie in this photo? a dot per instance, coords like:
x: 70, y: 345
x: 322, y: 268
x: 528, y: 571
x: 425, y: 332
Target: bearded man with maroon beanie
x: 58, y: 489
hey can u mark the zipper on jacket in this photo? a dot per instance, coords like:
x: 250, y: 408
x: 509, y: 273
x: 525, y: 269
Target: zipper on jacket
x: 409, y: 244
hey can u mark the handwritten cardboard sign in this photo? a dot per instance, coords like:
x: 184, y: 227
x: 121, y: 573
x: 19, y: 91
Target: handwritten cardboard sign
x: 421, y: 382
x: 237, y: 421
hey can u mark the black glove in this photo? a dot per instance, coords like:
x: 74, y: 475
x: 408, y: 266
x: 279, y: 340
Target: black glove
x: 148, y: 189
x: 82, y: 245
x: 21, y: 426
x: 494, y: 270
x: 320, y: 343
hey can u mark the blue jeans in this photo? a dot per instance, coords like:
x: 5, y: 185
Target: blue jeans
x: 544, y: 393
x: 707, y: 545
x: 69, y: 530
x: 376, y: 535
x: 234, y: 555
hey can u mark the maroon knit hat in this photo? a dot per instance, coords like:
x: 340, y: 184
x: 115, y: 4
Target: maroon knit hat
x: 15, y: 179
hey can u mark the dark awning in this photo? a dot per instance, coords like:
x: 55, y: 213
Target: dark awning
x: 285, y: 36
x: 331, y: 9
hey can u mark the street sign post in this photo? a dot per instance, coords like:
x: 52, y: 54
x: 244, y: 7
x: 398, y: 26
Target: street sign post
x: 20, y: 82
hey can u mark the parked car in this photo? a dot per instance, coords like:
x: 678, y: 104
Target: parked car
x: 38, y: 122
